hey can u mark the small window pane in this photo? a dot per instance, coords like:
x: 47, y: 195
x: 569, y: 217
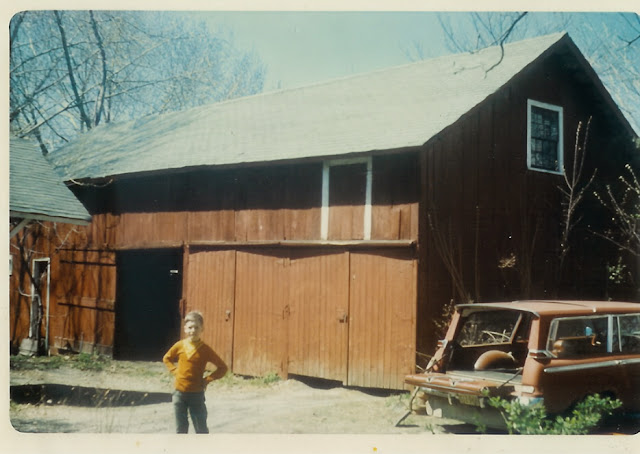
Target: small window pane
x: 545, y: 137
x: 489, y: 327
x: 629, y: 333
x: 579, y: 337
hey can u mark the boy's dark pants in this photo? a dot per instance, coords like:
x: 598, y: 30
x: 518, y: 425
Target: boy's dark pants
x: 194, y: 404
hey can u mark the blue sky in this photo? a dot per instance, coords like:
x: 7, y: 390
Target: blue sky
x: 301, y: 48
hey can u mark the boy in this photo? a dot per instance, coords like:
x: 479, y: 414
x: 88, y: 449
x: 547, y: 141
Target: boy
x: 192, y: 356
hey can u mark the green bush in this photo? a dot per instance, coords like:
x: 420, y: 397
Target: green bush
x: 533, y: 419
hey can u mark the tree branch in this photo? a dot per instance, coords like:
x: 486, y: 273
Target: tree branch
x: 72, y: 80
x: 504, y: 38
x: 99, y: 108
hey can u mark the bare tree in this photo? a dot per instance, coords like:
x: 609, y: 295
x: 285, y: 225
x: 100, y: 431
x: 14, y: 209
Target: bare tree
x: 610, y: 41
x: 632, y: 34
x: 71, y: 71
x: 573, y: 192
x: 449, y: 247
x: 624, y: 205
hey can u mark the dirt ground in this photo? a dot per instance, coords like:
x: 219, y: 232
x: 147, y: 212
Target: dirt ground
x: 236, y: 405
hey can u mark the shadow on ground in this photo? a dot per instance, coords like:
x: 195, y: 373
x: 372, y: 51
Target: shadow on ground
x: 57, y: 394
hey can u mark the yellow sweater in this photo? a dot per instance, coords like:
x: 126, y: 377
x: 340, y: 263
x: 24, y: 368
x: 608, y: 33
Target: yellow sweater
x: 191, y: 365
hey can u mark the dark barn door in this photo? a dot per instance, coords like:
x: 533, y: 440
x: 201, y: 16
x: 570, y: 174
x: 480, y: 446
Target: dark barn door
x: 147, y: 303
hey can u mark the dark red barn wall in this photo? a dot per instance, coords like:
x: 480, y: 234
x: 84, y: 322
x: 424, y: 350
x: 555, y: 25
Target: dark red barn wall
x: 498, y: 224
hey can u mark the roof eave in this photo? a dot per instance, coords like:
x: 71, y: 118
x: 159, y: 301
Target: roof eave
x: 596, y: 81
x: 108, y: 179
x: 85, y: 220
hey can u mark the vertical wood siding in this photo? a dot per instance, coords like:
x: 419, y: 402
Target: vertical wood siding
x: 395, y: 194
x: 152, y: 228
x: 294, y: 312
x: 20, y: 283
x: 267, y: 204
x: 501, y: 220
x: 382, y: 319
x: 82, y: 287
x: 301, y: 203
x: 261, y: 314
x: 84, y: 305
x: 347, y: 185
x: 207, y: 225
x: 319, y: 314
x: 210, y: 288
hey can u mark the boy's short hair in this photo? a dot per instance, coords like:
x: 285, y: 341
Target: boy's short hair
x: 195, y: 316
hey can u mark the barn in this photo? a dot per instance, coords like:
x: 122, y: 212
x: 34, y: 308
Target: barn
x: 36, y: 195
x: 323, y: 230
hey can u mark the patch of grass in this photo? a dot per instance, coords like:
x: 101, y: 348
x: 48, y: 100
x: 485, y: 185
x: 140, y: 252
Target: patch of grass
x: 145, y: 372
x: 21, y: 362
x: 87, y: 361
x: 142, y: 370
x: 15, y: 407
x: 400, y: 399
x: 270, y: 378
x: 231, y: 379
x: 82, y: 361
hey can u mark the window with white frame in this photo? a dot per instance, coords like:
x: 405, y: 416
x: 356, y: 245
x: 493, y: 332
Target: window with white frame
x: 544, y: 137
x: 346, y: 199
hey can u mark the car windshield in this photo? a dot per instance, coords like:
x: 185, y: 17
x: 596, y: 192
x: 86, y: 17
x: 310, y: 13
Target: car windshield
x: 491, y: 327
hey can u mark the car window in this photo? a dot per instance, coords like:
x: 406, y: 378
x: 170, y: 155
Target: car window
x: 491, y: 327
x: 628, y: 335
x: 575, y: 337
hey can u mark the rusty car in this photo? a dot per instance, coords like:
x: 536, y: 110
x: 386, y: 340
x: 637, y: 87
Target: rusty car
x: 552, y: 352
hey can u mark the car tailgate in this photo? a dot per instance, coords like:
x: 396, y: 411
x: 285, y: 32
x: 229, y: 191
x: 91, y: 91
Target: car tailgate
x: 459, y: 385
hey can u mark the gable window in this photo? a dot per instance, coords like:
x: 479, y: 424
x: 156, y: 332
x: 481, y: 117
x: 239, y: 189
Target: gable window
x: 346, y: 199
x: 544, y: 137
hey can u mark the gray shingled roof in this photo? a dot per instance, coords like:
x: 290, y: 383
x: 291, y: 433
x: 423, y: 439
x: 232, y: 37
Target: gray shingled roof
x: 36, y: 191
x: 404, y: 106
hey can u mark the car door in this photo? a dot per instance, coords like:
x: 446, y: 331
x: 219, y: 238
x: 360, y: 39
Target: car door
x: 583, y: 361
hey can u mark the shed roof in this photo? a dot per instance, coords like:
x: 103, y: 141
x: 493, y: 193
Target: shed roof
x: 394, y: 108
x: 36, y: 191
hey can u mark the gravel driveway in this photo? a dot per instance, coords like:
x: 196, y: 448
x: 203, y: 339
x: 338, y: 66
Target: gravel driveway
x: 236, y: 405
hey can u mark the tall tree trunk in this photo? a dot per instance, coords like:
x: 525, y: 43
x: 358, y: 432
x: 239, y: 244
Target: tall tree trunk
x: 74, y: 86
x: 103, y: 58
